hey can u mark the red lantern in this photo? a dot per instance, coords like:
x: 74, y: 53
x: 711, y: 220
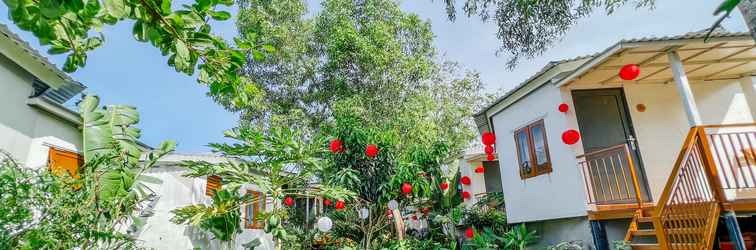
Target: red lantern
x: 371, y: 150
x: 465, y: 180
x: 470, y: 233
x: 337, y: 146
x: 288, y: 201
x: 629, y: 72
x: 406, y: 188
x: 414, y: 217
x: 465, y: 195
x: 327, y: 202
x: 340, y: 204
x: 490, y: 157
x: 426, y: 210
x: 570, y: 137
x: 444, y: 185
x: 480, y: 169
x: 389, y: 213
x: 489, y: 149
x: 564, y: 107
x: 489, y: 138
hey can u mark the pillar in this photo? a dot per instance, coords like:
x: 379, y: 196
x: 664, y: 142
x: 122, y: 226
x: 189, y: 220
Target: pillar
x: 598, y: 231
x: 683, y: 89
x: 748, y: 85
x: 733, y: 230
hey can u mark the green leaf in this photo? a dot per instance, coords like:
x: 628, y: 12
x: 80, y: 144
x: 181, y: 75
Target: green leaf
x: 165, y: 7
x: 140, y: 31
x: 182, y: 55
x: 220, y: 15
x: 51, y: 9
x: 116, y: 8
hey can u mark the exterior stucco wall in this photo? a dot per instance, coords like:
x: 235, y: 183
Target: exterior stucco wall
x: 177, y: 191
x: 27, y: 132
x: 558, y: 194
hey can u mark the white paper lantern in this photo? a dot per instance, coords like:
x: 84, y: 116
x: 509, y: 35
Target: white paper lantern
x: 364, y: 213
x: 325, y: 224
x: 393, y: 205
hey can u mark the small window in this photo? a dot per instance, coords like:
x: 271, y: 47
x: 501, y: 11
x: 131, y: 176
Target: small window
x: 253, y: 210
x: 532, y: 150
x: 214, y: 183
x: 63, y: 162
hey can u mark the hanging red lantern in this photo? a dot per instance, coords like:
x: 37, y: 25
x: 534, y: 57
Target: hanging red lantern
x: 426, y: 210
x: 389, y: 213
x: 371, y: 150
x: 288, y: 201
x: 629, y: 72
x: 470, y: 233
x: 414, y: 217
x: 570, y: 137
x: 444, y: 185
x: 489, y: 149
x: 480, y: 169
x: 465, y: 195
x: 490, y: 157
x: 336, y: 146
x: 327, y: 202
x: 564, y: 107
x: 489, y: 138
x: 406, y: 188
x: 465, y: 180
x: 340, y: 204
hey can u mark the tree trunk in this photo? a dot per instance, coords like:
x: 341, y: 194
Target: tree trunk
x: 748, y: 9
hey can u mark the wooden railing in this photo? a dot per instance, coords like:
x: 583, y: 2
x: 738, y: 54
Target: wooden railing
x: 610, y: 176
x: 734, y: 154
x: 688, y: 209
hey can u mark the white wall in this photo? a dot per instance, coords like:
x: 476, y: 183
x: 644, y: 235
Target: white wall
x: 477, y: 180
x: 662, y: 128
x: 177, y: 191
x: 27, y: 132
x: 558, y: 194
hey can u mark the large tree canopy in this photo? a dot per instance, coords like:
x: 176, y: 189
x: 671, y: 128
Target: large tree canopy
x: 371, y: 50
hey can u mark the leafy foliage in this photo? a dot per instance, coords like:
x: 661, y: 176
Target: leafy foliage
x: 528, y: 28
x: 221, y: 218
x: 59, y: 211
x: 519, y: 237
x: 184, y: 35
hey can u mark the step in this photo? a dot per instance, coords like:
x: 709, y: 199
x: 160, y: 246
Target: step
x: 646, y: 219
x: 676, y: 231
x: 645, y: 246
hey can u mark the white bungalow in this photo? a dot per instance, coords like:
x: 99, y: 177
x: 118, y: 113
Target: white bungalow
x: 659, y: 156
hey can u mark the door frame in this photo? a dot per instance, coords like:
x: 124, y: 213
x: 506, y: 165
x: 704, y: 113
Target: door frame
x: 627, y: 126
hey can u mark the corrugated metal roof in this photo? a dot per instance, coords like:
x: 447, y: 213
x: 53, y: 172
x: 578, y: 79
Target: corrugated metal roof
x: 687, y: 36
x: 61, y: 94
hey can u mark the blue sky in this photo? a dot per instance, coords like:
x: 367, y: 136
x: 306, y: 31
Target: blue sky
x: 174, y: 106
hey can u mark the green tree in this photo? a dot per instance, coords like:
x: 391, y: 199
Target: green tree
x: 370, y: 50
x: 57, y: 211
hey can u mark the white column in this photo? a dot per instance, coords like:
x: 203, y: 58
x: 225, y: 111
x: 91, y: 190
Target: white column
x: 683, y: 88
x: 748, y: 85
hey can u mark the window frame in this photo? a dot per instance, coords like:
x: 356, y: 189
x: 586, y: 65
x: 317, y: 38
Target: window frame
x: 258, y: 208
x: 213, y: 182
x: 535, y: 169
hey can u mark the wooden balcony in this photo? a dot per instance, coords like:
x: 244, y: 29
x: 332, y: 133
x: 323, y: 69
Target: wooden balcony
x: 613, y: 187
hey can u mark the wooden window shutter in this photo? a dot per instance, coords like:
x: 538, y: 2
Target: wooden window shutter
x: 213, y: 183
x: 64, y: 162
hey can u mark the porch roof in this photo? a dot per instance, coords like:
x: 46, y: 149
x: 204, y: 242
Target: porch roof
x: 725, y: 55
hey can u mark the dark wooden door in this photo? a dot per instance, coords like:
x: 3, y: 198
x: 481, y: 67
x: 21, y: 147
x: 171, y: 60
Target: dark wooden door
x: 604, y: 123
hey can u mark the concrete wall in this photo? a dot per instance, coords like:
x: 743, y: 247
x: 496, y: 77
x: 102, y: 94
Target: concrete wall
x: 552, y: 232
x: 27, y: 133
x: 177, y: 191
x: 558, y: 194
x: 662, y: 127
x: 477, y: 181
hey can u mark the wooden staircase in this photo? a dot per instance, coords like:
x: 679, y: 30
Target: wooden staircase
x: 687, y: 212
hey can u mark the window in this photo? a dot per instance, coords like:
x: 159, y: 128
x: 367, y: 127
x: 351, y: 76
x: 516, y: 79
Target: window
x: 213, y: 183
x: 252, y: 210
x: 532, y: 150
x: 61, y: 162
